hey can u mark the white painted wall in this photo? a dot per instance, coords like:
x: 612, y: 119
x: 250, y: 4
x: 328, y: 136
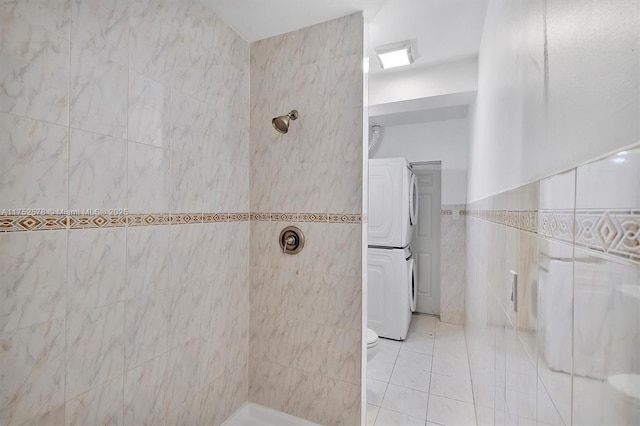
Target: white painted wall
x: 412, y: 83
x: 557, y: 86
x: 446, y: 141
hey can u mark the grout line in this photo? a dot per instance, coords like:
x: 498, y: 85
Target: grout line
x: 573, y: 296
x: 126, y: 228
x: 433, y: 350
x: 66, y: 293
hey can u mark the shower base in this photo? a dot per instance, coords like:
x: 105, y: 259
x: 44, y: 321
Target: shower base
x: 252, y: 414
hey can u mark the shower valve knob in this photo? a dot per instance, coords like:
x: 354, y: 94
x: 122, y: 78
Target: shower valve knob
x: 291, y: 240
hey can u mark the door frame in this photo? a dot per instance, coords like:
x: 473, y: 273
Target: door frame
x: 435, y: 264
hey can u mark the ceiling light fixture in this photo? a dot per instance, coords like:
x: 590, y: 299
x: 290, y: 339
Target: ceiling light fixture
x: 395, y: 54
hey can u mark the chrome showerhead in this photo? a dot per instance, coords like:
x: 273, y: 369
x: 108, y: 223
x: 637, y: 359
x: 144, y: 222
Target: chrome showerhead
x: 281, y: 123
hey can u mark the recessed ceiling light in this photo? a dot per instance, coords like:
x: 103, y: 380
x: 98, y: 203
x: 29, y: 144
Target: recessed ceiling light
x: 395, y: 54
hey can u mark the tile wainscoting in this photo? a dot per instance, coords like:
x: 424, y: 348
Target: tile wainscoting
x: 566, y: 354
x: 453, y: 263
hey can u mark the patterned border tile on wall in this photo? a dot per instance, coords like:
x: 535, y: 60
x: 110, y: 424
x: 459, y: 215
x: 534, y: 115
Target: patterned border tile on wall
x: 344, y: 218
x: 613, y: 232
x: 556, y: 224
x: 21, y: 223
x: 312, y: 217
x: 148, y: 219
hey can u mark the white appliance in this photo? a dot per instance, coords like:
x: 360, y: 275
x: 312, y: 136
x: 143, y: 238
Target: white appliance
x: 392, y: 289
x: 393, y: 202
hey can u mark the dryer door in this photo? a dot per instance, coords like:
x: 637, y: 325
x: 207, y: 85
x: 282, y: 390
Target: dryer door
x: 413, y: 275
x: 413, y: 200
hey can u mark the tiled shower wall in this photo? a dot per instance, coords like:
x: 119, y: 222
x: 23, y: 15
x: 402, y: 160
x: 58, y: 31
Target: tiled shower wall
x: 107, y: 318
x: 569, y: 353
x: 306, y: 309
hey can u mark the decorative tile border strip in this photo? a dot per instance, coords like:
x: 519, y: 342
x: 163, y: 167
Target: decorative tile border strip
x: 313, y: 217
x: 523, y: 220
x: 449, y: 212
x: 21, y: 223
x: 613, y: 232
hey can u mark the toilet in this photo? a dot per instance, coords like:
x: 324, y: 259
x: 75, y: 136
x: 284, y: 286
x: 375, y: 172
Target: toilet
x: 372, y: 344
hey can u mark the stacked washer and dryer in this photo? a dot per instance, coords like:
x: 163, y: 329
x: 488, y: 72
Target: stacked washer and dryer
x: 391, y: 271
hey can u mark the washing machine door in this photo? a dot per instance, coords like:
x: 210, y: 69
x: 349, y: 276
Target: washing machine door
x: 413, y: 200
x: 413, y: 289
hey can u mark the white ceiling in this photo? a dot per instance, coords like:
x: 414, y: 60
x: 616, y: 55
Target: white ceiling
x: 259, y: 19
x: 442, y: 30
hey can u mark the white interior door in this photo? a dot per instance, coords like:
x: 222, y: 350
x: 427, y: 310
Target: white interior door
x: 426, y: 239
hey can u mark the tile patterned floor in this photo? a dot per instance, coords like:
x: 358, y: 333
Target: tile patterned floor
x: 424, y: 380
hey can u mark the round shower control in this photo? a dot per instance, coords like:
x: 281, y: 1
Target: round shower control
x: 291, y: 240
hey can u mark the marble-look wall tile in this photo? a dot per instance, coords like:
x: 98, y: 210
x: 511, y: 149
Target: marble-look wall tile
x: 190, y: 121
x: 100, y: 406
x: 337, y: 38
x: 572, y: 288
x: 52, y: 16
x: 345, y: 185
x: 102, y: 26
x: 96, y: 264
x: 260, y: 244
x: 345, y: 355
x: 149, y: 111
x: 187, y: 184
x: 187, y: 263
x: 144, y: 393
x: 191, y: 68
x: 185, y: 313
x: 238, y: 195
x: 270, y: 384
x: 97, y: 171
x: 598, y: 184
x: 314, y: 343
x: 329, y: 136
x: 154, y: 97
x: 98, y: 93
x: 33, y: 160
x: 344, y: 254
x: 95, y: 348
x: 309, y: 396
x: 216, y: 188
x: 305, y: 322
x: 344, y: 83
x: 153, y: 41
x: 345, y: 302
x: 558, y: 192
x: 34, y: 73
x: 32, y: 372
x: 145, y: 323
x: 528, y: 286
x: 606, y: 319
x: 554, y: 329
x: 182, y: 375
x: 148, y: 260
x: 452, y: 268
x: 260, y: 188
x: 343, y: 403
x: 148, y: 179
x: 33, y: 270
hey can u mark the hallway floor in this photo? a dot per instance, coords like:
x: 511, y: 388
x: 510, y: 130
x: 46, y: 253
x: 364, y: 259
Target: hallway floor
x: 424, y: 380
